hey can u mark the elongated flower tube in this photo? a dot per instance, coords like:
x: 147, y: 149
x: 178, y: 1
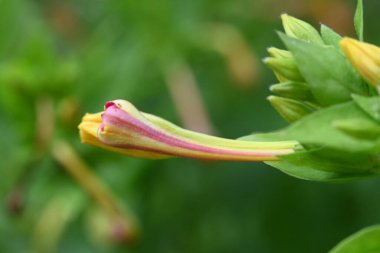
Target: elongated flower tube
x: 124, y: 129
x: 364, y: 57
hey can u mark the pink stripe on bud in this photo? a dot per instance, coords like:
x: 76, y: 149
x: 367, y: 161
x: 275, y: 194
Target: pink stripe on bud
x: 124, y: 129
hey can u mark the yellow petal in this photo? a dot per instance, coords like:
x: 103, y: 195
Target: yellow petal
x: 88, y: 131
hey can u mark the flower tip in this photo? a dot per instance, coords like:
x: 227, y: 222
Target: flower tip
x: 284, y: 16
x: 301, y: 30
x: 265, y: 60
x: 108, y: 104
x: 124, y: 105
x: 88, y: 127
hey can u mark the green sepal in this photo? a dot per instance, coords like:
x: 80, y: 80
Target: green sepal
x: 331, y: 78
x: 300, y: 29
x: 330, y: 37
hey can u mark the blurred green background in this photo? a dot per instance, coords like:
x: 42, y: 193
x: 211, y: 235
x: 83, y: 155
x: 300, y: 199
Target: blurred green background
x: 196, y: 63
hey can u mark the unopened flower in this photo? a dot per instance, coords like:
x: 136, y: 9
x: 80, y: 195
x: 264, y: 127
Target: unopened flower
x: 364, y: 57
x: 291, y: 110
x: 299, y: 29
x: 294, y: 90
x: 124, y: 129
x: 283, y: 64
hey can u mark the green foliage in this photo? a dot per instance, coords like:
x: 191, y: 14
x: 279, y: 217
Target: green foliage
x: 339, y: 140
x: 328, y: 148
x: 318, y: 129
x: 330, y: 37
x: 370, y: 105
x: 331, y: 78
x: 358, y: 20
x: 366, y: 240
x: 313, y: 165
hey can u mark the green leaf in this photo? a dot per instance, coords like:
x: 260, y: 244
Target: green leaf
x: 305, y: 165
x: 366, y: 240
x: 327, y: 152
x: 321, y: 164
x: 330, y: 37
x: 358, y: 20
x: 318, y: 129
x: 358, y: 128
x: 371, y: 105
x: 330, y: 76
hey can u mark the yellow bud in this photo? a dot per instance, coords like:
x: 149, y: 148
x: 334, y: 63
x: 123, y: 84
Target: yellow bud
x: 364, y: 57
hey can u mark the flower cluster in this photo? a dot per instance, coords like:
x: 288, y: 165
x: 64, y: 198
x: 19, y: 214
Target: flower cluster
x: 326, y: 91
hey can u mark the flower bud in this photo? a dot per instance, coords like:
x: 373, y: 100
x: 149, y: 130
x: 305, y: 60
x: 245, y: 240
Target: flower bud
x: 124, y: 129
x: 294, y: 90
x: 283, y: 65
x: 289, y: 109
x: 279, y: 53
x: 364, y: 57
x: 299, y: 29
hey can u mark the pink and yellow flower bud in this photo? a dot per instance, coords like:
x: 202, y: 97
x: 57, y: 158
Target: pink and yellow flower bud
x: 124, y: 129
x: 364, y: 57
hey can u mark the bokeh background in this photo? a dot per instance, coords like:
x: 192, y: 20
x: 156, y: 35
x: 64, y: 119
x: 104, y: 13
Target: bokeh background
x: 196, y: 63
